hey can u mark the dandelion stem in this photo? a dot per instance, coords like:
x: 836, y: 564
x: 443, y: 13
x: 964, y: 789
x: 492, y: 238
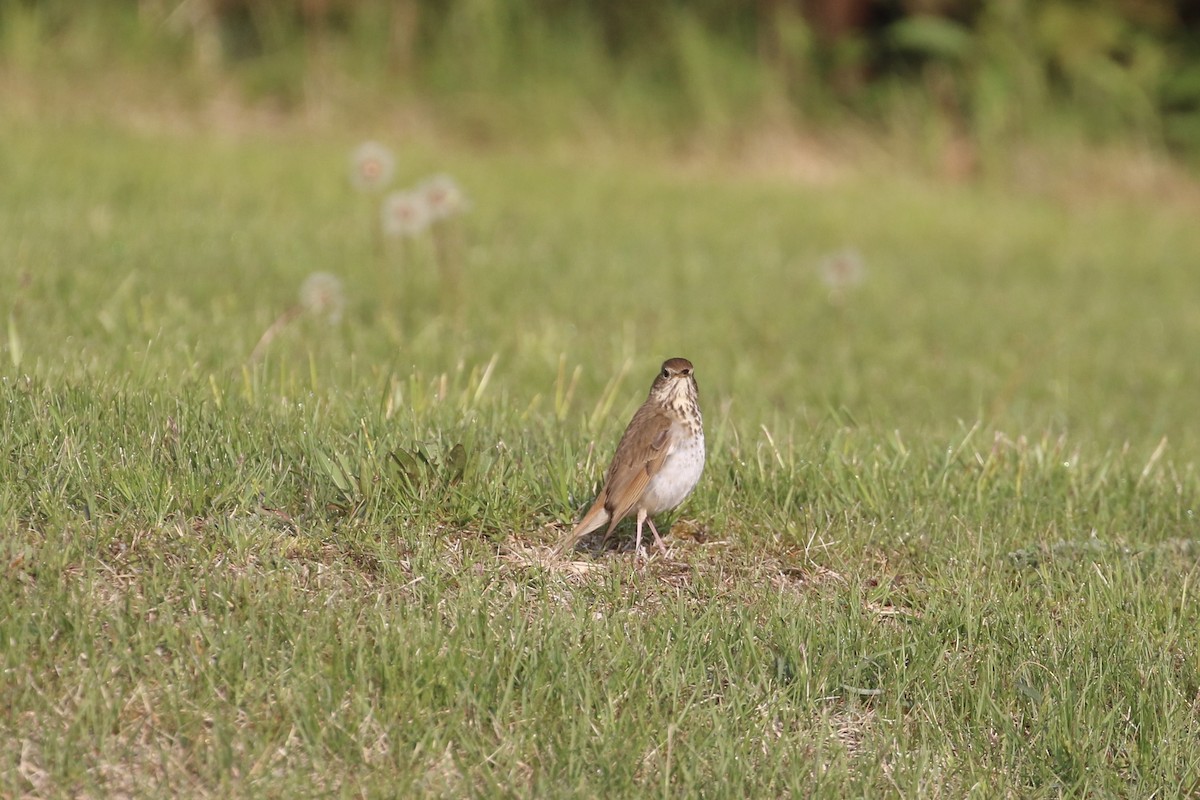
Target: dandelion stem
x: 448, y: 267
x: 376, y: 230
x: 273, y: 330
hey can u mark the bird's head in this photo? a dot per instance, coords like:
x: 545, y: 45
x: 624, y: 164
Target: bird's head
x: 676, y: 381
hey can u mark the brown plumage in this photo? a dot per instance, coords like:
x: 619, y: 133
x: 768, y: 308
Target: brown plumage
x: 658, y: 460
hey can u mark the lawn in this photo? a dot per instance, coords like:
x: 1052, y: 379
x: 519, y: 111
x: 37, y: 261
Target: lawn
x: 945, y: 544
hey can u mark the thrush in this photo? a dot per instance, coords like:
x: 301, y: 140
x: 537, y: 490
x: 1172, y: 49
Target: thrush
x: 658, y: 460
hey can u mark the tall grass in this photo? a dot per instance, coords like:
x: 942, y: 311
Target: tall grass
x: 710, y: 73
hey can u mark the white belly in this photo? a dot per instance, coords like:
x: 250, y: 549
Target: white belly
x: 676, y: 478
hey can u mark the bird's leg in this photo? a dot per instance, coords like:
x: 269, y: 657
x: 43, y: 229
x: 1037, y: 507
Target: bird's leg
x: 637, y: 541
x: 662, y: 548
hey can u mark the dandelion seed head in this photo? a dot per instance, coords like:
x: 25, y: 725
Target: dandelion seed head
x: 371, y: 167
x: 444, y: 197
x: 405, y: 214
x: 321, y: 295
x: 843, y: 271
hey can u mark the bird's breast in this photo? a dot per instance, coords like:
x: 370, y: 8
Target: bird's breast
x: 679, y: 474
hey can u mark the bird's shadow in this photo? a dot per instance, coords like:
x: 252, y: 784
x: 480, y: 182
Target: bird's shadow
x: 621, y: 540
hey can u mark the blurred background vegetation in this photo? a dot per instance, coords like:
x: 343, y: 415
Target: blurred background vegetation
x: 965, y: 78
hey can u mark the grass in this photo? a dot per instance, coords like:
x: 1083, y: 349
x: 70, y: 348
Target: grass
x: 945, y: 544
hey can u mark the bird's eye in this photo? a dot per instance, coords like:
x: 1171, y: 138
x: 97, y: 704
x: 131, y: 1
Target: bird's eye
x: 665, y: 373
x: 687, y: 372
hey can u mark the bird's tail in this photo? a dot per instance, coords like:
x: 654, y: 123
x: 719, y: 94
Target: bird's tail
x: 596, y: 516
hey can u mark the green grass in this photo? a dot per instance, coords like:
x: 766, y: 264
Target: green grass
x: 945, y: 544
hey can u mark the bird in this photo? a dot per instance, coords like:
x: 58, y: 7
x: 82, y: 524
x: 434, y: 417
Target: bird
x: 658, y: 461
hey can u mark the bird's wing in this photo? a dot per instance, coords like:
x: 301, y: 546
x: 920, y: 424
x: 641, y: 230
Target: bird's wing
x: 640, y: 455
